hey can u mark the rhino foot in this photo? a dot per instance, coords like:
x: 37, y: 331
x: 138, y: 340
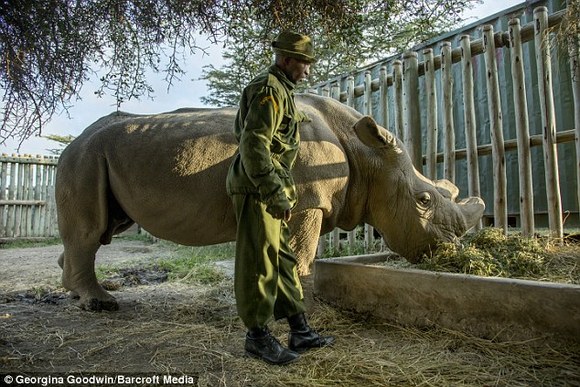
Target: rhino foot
x: 96, y: 305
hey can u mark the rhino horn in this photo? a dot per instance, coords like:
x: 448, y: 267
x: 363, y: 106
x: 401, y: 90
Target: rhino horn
x: 472, y: 209
x: 373, y: 135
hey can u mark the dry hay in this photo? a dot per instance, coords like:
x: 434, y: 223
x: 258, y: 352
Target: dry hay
x: 489, y: 252
x: 192, y: 329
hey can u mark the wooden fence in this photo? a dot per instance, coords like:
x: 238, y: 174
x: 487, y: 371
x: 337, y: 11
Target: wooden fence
x: 402, y: 84
x: 27, y: 206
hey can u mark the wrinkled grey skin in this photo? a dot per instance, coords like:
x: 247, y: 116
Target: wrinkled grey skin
x: 167, y: 173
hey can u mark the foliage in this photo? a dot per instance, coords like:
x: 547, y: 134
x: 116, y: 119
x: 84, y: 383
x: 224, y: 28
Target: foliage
x: 63, y: 141
x: 567, y: 33
x: 51, y: 48
x: 361, y: 31
x: 251, y: 54
x: 570, y: 26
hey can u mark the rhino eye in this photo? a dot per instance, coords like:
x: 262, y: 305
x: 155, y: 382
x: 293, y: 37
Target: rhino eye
x: 424, y: 199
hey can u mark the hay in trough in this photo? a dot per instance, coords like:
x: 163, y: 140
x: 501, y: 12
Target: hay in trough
x: 489, y: 252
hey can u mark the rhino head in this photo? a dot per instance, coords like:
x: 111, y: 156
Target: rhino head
x: 412, y: 212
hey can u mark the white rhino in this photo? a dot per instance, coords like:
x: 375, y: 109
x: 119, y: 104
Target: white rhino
x: 167, y: 173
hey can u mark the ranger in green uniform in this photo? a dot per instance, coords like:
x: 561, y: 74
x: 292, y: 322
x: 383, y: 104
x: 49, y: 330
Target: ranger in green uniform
x: 262, y: 189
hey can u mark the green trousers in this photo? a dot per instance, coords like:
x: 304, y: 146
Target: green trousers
x: 266, y: 281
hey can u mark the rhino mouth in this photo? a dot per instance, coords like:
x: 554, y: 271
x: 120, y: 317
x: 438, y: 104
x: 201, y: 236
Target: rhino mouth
x: 416, y: 255
x: 414, y: 251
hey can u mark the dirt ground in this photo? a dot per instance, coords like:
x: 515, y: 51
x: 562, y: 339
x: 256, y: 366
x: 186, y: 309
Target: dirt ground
x: 190, y: 335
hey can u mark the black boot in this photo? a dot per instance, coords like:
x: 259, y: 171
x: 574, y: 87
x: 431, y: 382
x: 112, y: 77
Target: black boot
x: 302, y: 337
x: 262, y: 345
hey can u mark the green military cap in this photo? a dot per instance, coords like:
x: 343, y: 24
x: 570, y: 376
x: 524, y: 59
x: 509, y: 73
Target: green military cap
x: 294, y: 45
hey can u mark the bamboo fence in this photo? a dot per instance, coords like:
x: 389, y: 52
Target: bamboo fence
x: 27, y: 205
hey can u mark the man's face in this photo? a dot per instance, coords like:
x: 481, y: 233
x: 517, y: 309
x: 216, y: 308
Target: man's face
x: 297, y: 70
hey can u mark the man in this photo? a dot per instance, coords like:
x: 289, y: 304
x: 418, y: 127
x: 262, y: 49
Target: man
x: 262, y: 189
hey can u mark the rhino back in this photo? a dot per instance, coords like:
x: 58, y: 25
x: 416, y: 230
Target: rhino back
x: 166, y: 171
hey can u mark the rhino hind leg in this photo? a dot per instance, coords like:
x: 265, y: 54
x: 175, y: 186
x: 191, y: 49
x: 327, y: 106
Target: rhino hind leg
x: 89, y: 221
x: 79, y: 277
x: 72, y: 293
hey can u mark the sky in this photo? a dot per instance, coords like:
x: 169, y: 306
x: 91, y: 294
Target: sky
x: 184, y: 93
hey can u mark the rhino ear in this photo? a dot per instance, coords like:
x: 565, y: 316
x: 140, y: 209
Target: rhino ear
x: 373, y: 135
x: 447, y: 189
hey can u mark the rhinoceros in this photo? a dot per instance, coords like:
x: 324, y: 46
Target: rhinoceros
x: 167, y: 173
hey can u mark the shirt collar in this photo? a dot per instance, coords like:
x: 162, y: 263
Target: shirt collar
x: 278, y: 73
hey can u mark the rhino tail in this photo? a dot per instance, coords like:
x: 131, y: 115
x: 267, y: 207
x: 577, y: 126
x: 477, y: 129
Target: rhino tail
x: 118, y: 221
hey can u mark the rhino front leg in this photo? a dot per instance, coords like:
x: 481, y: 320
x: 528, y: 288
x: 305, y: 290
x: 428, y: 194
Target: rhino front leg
x: 305, y: 227
x: 78, y: 276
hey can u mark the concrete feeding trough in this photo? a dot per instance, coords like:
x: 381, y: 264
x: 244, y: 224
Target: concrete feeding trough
x: 488, y: 307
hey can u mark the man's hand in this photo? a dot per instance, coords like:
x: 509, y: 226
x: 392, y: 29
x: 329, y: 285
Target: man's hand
x: 285, y: 216
x: 279, y: 207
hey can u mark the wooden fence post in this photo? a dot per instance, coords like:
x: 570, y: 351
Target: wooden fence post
x: 548, y: 121
x: 45, y: 212
x: 398, y: 83
x: 37, y: 196
x: 322, y: 239
x: 574, y: 49
x: 335, y: 91
x: 523, y: 130
x: 12, y: 209
x: 368, y: 229
x: 48, y: 212
x: 469, y: 118
x: 448, y: 125
x: 412, y: 118
x: 3, y: 185
x: 28, y: 195
x: 368, y: 94
x: 431, y: 93
x: 350, y: 91
x: 350, y: 102
x: 496, y: 131
x: 383, y: 89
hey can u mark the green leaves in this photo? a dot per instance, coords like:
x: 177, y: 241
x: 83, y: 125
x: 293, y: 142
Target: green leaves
x: 346, y: 34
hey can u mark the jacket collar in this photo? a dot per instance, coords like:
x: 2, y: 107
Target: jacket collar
x: 278, y: 73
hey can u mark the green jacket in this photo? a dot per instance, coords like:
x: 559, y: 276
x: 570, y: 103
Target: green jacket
x: 266, y: 128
